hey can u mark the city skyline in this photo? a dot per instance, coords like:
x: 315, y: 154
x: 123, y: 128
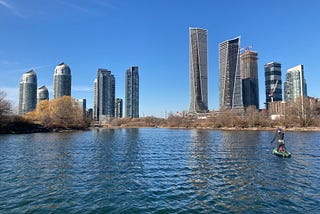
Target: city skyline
x: 156, y: 39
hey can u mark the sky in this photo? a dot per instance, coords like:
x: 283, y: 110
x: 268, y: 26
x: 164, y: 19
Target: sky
x: 154, y: 35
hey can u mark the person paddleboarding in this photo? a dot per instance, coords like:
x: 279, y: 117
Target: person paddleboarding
x: 280, y: 136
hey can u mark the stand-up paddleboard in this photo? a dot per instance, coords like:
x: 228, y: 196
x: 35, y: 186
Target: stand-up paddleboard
x: 285, y: 154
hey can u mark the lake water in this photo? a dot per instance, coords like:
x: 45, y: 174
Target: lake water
x: 158, y: 171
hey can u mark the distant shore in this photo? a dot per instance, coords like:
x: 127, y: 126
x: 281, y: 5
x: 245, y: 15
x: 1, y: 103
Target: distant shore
x: 300, y: 129
x: 27, y: 127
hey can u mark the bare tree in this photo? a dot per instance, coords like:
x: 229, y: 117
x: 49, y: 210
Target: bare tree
x: 5, y: 105
x: 58, y: 113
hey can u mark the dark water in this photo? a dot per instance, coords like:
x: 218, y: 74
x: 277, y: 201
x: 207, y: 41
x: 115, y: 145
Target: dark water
x: 158, y: 171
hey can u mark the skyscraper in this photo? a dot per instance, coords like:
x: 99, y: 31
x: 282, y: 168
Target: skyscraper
x: 118, y: 108
x: 105, y: 95
x: 273, y: 83
x: 62, y: 81
x: 42, y: 94
x: 28, y: 92
x: 95, y: 100
x: 230, y: 74
x: 295, y: 85
x: 198, y: 70
x: 250, y: 86
x: 82, y: 104
x: 132, y: 92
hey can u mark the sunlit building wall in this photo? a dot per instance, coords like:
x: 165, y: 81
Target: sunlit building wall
x: 230, y: 74
x: 295, y: 85
x: 105, y: 94
x: 82, y: 104
x: 62, y: 81
x: 132, y: 92
x: 95, y: 100
x: 250, y: 84
x: 28, y: 92
x: 198, y: 70
x: 118, y: 108
x: 42, y: 94
x: 273, y: 82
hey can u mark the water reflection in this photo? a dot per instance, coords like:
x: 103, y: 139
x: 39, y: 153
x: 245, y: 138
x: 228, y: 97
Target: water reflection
x: 157, y: 170
x: 200, y: 152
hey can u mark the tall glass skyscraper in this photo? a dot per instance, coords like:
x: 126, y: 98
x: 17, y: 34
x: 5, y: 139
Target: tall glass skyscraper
x: 198, y: 70
x: 295, y: 85
x: 61, y: 81
x: 42, y: 94
x: 230, y: 74
x: 28, y: 92
x: 105, y: 95
x: 132, y: 92
x: 250, y: 85
x: 273, y: 83
x: 95, y: 100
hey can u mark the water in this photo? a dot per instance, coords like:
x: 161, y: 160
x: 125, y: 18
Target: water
x: 158, y: 171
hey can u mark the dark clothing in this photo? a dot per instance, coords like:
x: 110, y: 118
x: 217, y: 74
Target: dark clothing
x: 280, y: 136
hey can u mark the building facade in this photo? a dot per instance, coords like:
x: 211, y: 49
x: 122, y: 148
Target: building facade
x: 105, y: 95
x: 295, y: 85
x: 230, y: 74
x: 95, y: 101
x: 250, y: 84
x: 132, y: 92
x: 118, y: 108
x: 42, y: 94
x: 198, y: 46
x: 28, y: 92
x: 273, y: 83
x: 82, y: 104
x: 62, y: 81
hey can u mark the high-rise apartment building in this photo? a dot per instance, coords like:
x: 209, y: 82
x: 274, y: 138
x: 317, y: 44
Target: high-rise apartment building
x: 198, y: 70
x: 95, y: 100
x: 295, y: 85
x: 273, y: 83
x: 132, y: 92
x: 105, y: 95
x: 250, y: 85
x: 230, y: 74
x: 61, y: 81
x: 28, y: 92
x: 42, y: 94
x: 118, y: 108
x: 82, y: 104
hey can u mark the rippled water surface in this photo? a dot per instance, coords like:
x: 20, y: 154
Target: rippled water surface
x: 158, y: 171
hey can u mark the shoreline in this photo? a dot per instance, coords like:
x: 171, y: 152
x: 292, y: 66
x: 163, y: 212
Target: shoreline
x: 291, y: 129
x: 61, y: 130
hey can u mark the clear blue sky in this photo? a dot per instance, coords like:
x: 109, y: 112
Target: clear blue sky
x: 152, y: 34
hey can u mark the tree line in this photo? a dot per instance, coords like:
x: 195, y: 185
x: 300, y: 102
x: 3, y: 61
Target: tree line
x: 61, y: 113
x: 295, y: 114
x: 64, y: 113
